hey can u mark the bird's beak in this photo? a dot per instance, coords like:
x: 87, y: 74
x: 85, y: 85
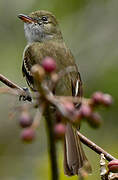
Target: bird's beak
x: 26, y: 18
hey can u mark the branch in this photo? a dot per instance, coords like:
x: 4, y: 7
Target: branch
x: 51, y: 145
x: 49, y: 98
x: 95, y: 147
x: 9, y: 83
x: 22, y: 92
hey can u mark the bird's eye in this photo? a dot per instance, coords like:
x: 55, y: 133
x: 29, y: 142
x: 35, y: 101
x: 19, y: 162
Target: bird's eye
x: 44, y: 18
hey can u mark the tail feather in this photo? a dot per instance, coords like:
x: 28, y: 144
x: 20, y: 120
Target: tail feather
x: 74, y: 156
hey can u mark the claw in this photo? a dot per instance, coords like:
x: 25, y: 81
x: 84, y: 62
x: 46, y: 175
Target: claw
x: 26, y: 97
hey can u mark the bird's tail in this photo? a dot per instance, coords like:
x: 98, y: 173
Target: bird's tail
x: 74, y: 156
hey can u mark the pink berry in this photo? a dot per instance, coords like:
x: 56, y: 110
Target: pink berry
x: 107, y: 100
x: 28, y: 135
x: 97, y: 97
x: 49, y: 64
x: 69, y: 107
x: 113, y: 166
x: 70, y: 111
x: 85, y: 111
x: 59, y: 130
x: 95, y: 120
x: 25, y: 120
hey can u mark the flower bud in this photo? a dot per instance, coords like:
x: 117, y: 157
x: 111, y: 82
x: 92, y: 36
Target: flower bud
x: 85, y: 111
x: 59, y: 130
x: 71, y: 112
x: 97, y: 97
x: 95, y: 120
x: 54, y: 77
x: 28, y: 135
x: 113, y: 166
x: 107, y: 100
x: 38, y: 72
x: 49, y: 64
x: 25, y: 120
x: 69, y: 107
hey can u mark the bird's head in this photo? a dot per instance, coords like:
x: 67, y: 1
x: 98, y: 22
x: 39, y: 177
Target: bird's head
x: 40, y: 26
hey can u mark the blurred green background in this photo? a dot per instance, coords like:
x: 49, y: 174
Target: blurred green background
x: 90, y: 28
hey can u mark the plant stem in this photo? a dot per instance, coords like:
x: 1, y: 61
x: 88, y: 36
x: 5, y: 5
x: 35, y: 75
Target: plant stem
x: 51, y: 145
x: 9, y: 83
x: 21, y: 91
x: 95, y: 147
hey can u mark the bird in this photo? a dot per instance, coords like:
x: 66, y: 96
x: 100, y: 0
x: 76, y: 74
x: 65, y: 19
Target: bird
x: 44, y: 39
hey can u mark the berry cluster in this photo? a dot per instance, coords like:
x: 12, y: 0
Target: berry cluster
x: 100, y: 98
x: 108, y: 171
x: 25, y: 120
x: 59, y: 110
x: 65, y: 109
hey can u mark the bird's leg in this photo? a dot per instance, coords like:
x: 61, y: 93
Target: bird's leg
x: 27, y: 96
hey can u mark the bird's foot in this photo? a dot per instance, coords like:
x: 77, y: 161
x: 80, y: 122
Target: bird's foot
x: 27, y: 96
